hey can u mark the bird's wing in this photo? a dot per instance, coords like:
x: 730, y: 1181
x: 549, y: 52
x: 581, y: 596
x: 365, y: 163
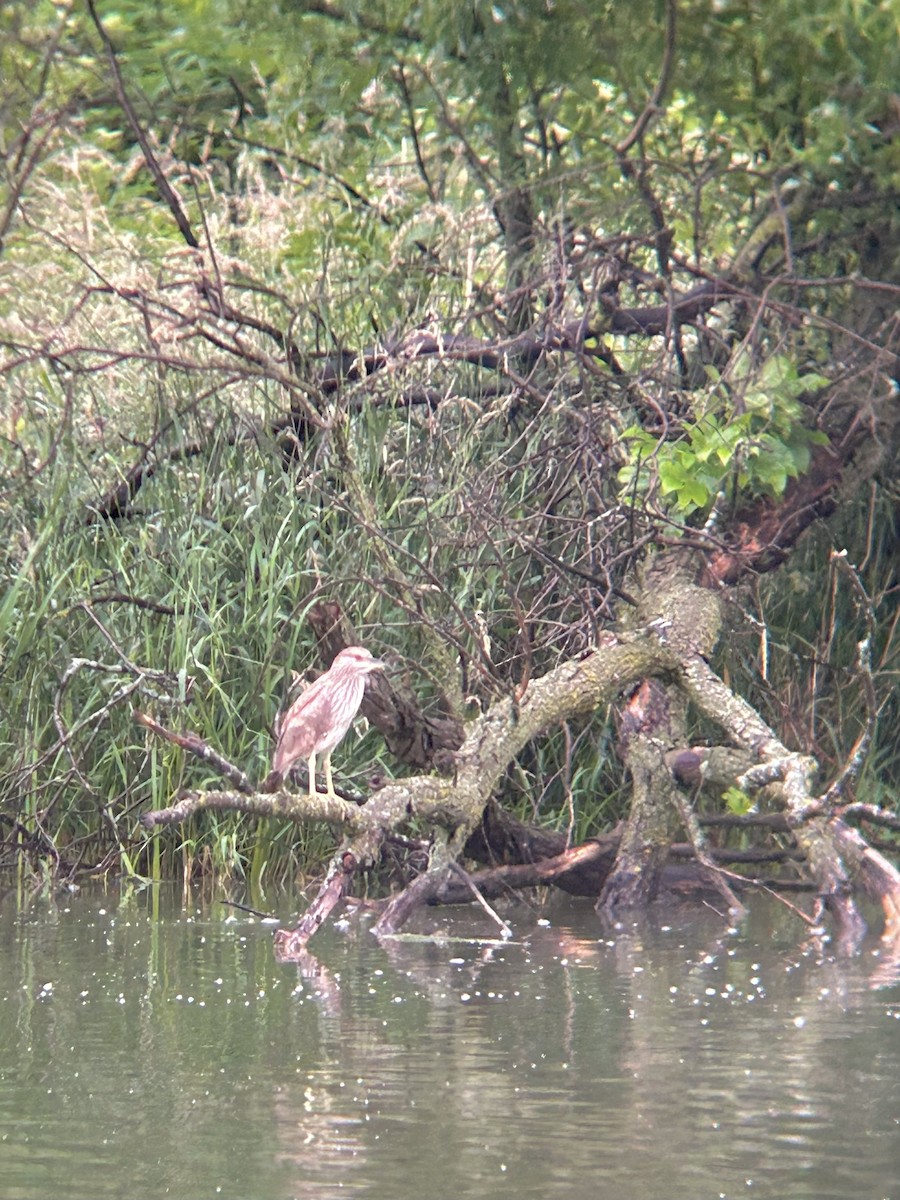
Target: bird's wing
x: 297, y: 739
x: 303, y: 725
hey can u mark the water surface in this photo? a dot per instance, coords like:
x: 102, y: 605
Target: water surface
x: 151, y: 1047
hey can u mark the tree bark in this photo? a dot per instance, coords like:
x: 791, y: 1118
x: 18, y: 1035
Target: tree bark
x: 652, y: 723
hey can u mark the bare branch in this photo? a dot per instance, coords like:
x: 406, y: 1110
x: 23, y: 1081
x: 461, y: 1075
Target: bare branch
x: 856, y: 757
x: 195, y: 745
x: 653, y: 106
x: 163, y: 185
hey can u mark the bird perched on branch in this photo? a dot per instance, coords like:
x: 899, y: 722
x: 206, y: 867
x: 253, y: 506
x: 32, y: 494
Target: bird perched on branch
x: 320, y: 717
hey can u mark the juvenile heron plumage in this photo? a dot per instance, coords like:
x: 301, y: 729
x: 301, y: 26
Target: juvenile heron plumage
x: 319, y: 718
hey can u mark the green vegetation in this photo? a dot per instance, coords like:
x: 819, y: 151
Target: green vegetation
x: 216, y: 409
x: 747, y: 445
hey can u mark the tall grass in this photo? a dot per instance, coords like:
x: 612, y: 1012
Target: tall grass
x: 795, y: 645
x: 193, y: 608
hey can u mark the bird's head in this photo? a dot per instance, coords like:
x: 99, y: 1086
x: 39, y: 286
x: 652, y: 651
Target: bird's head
x: 357, y: 660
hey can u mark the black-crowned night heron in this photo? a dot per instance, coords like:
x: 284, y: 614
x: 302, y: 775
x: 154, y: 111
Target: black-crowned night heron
x: 320, y: 717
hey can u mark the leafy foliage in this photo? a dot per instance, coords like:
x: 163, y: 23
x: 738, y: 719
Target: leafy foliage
x: 751, y: 441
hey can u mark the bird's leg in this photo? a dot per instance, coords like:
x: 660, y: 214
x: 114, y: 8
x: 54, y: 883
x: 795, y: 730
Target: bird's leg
x: 313, y: 790
x: 329, y: 782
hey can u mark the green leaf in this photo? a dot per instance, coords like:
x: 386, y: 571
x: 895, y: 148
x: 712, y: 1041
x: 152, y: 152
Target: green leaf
x: 695, y: 493
x: 672, y: 477
x: 813, y: 382
x: 738, y: 802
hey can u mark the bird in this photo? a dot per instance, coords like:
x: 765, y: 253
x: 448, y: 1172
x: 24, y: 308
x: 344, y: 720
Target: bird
x: 319, y: 718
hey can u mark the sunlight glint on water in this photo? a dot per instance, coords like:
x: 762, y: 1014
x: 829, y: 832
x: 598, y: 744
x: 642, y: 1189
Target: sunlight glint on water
x: 174, y: 1057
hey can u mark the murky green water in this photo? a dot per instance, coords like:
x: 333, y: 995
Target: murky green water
x: 150, y: 1050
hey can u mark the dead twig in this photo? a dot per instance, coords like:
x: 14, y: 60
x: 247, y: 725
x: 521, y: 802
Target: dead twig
x: 653, y: 105
x: 856, y: 757
x: 163, y: 185
x: 457, y: 870
x: 194, y: 744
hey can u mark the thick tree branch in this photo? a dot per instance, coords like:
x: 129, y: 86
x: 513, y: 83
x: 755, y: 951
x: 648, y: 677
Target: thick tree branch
x: 835, y: 854
x: 287, y: 806
x: 677, y: 627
